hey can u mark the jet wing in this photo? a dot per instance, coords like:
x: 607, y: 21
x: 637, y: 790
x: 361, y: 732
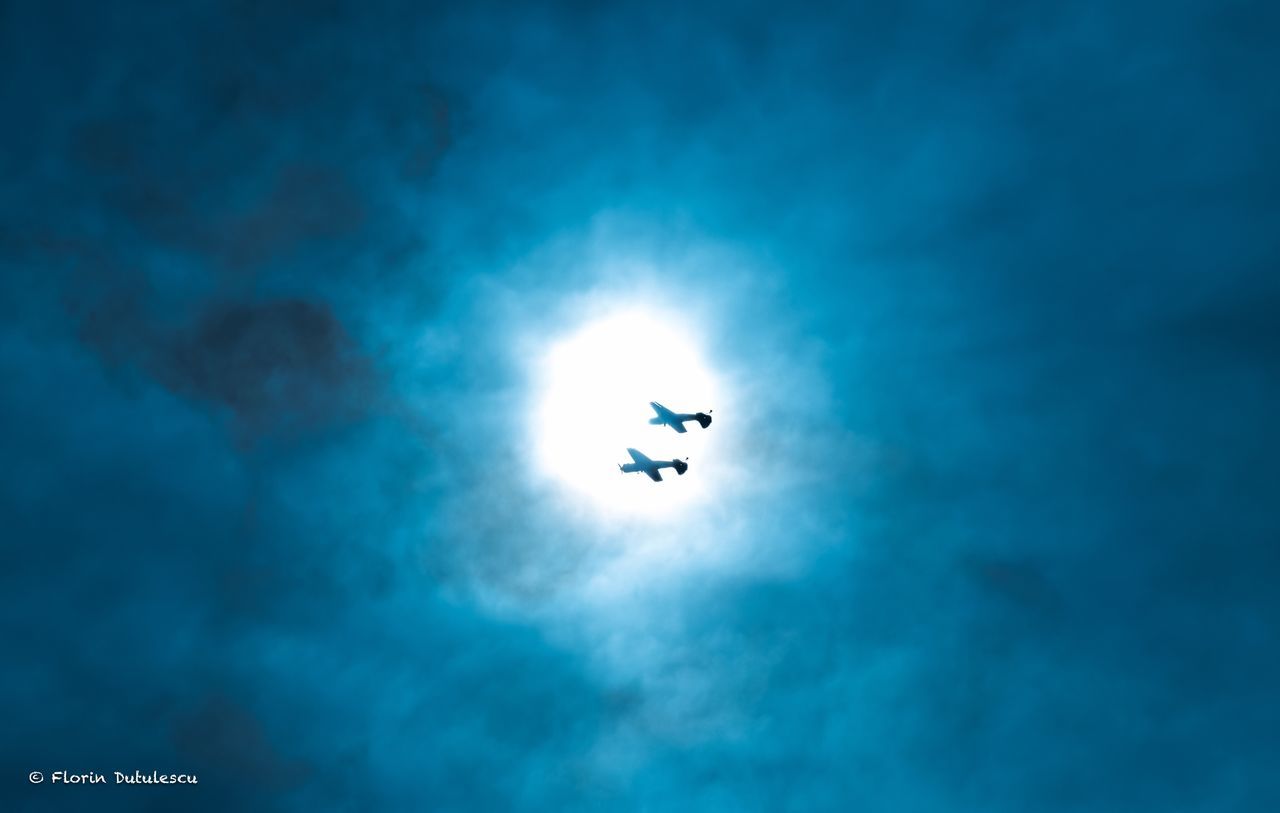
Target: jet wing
x: 654, y: 475
x: 639, y: 458
x: 678, y: 426
x: 663, y: 413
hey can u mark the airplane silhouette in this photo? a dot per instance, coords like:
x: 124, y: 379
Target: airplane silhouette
x: 650, y: 467
x: 676, y: 419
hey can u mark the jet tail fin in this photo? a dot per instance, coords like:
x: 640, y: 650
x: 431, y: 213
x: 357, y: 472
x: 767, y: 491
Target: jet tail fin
x: 655, y: 421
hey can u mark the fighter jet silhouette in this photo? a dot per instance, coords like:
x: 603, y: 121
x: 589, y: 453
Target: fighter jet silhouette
x: 676, y: 419
x: 650, y: 467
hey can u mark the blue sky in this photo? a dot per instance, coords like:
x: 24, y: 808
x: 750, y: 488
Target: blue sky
x: 991, y: 292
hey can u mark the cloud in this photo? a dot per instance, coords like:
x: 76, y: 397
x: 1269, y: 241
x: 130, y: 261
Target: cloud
x: 988, y: 288
x: 271, y: 364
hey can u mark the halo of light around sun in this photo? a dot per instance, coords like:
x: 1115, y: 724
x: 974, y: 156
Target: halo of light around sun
x: 593, y: 388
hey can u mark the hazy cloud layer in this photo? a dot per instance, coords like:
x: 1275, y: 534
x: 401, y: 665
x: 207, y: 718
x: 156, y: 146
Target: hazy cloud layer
x: 994, y: 288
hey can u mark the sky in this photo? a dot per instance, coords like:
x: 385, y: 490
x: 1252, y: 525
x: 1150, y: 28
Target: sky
x: 985, y: 295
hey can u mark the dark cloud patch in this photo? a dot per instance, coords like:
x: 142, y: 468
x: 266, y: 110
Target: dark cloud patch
x: 304, y: 205
x: 230, y: 743
x: 106, y: 146
x: 996, y: 299
x: 277, y: 366
x: 1235, y: 329
x: 1019, y: 582
x: 428, y: 129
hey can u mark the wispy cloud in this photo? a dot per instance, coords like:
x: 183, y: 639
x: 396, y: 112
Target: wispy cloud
x: 987, y: 289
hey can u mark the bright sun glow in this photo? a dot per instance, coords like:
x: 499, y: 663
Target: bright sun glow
x: 593, y: 394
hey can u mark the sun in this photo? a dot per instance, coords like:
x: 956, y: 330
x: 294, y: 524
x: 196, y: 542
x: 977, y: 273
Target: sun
x: 592, y: 391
